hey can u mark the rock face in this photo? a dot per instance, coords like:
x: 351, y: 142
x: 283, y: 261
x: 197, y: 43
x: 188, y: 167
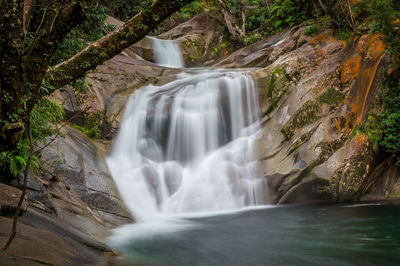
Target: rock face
x: 313, y: 91
x: 9, y: 198
x: 43, y: 240
x: 73, y: 182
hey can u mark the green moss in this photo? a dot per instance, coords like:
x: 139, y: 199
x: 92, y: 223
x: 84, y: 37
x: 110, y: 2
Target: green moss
x: 306, y: 115
x: 92, y: 132
x: 303, y: 139
x: 277, y: 86
x: 327, y: 150
x: 331, y: 97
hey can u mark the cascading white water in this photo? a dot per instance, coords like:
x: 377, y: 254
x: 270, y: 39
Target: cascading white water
x: 186, y: 146
x: 167, y: 53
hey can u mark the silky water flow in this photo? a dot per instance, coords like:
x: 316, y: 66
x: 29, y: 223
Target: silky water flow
x: 187, y: 146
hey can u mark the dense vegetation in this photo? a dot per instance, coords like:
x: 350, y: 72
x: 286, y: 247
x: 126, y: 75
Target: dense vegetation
x: 383, y: 124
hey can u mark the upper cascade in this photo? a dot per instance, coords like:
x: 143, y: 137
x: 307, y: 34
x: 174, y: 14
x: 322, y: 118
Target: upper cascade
x: 167, y: 53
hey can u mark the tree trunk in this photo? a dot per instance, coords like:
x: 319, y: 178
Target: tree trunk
x: 11, y: 67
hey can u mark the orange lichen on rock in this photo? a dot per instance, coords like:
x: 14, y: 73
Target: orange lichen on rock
x: 338, y: 125
x: 351, y: 69
x: 318, y: 39
x: 362, y: 67
x: 361, y: 140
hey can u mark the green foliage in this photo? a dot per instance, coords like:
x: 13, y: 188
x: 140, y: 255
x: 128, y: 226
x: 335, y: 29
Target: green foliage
x: 256, y: 16
x: 124, y: 9
x: 190, y: 10
x: 253, y: 38
x: 92, y: 132
x: 93, y: 29
x: 187, y: 12
x: 80, y: 85
x: 44, y: 119
x: 312, y: 30
x: 373, y: 128
x: 386, y: 20
x: 343, y: 34
x: 391, y: 133
x: 287, y: 13
x: 390, y: 115
x: 91, y: 125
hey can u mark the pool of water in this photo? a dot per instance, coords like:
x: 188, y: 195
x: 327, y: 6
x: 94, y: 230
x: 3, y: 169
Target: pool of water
x: 357, y: 234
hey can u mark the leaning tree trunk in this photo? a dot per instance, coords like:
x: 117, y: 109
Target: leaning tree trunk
x: 114, y: 43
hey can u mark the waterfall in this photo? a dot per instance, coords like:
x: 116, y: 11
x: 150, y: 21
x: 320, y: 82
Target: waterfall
x: 187, y: 146
x: 167, y: 53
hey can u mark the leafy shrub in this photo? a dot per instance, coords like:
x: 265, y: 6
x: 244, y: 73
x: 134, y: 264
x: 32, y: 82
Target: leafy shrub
x: 92, y: 132
x: 386, y: 20
x: 287, y: 13
x: 190, y: 10
x: 93, y: 29
x: 390, y: 115
x: 124, y: 9
x: 253, y: 38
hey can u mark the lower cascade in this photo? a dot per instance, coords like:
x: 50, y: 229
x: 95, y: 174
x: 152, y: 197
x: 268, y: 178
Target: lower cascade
x: 187, y: 146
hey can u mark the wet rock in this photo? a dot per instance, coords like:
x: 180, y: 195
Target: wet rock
x: 79, y: 187
x: 254, y: 55
x: 43, y: 239
x: 203, y: 40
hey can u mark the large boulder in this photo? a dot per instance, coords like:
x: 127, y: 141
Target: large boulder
x: 9, y: 198
x: 77, y: 186
x: 203, y: 39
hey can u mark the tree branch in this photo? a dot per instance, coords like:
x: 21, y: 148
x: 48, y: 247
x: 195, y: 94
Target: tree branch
x: 114, y: 43
x: 28, y: 8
